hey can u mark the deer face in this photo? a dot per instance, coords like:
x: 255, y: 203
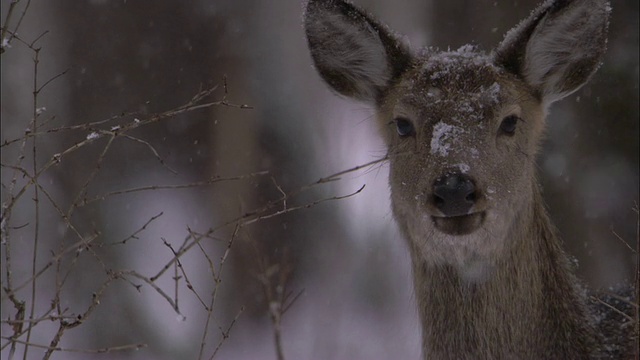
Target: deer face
x: 462, y: 135
x: 462, y: 128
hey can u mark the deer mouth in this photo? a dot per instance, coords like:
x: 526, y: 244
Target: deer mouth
x: 459, y: 225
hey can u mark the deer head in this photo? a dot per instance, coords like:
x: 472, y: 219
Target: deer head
x: 462, y: 127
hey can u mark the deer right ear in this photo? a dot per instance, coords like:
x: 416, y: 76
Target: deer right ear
x: 353, y: 53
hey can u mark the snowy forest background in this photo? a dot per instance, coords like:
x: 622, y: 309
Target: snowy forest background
x: 199, y: 131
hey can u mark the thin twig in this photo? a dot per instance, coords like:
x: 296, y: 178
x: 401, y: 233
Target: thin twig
x: 623, y: 241
x: 172, y: 187
x: 87, y: 351
x: 65, y: 325
x: 621, y: 313
x: 36, y: 197
x: 179, y: 267
x: 225, y: 334
x: 152, y: 149
x: 3, y: 39
x: 217, y: 279
x: 134, y: 235
x: 161, y: 292
x: 306, y: 206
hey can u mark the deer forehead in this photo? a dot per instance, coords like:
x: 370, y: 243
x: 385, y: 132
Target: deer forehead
x: 461, y: 85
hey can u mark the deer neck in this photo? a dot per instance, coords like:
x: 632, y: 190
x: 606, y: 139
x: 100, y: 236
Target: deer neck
x: 527, y: 308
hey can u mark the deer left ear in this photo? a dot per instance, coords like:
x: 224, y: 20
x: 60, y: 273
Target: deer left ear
x: 559, y: 47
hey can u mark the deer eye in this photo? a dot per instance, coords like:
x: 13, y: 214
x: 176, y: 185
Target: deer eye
x: 508, y: 125
x: 404, y: 127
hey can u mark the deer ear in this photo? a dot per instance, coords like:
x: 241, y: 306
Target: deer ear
x: 559, y: 47
x: 354, y: 54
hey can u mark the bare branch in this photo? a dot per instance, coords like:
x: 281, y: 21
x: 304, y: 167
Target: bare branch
x: 306, y: 206
x: 87, y: 351
x: 172, y: 187
x: 135, y: 233
x: 155, y: 287
x: 225, y: 334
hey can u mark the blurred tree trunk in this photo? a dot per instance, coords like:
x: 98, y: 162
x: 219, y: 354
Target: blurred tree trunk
x: 274, y: 136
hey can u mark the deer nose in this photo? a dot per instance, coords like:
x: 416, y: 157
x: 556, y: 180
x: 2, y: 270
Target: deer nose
x: 454, y: 194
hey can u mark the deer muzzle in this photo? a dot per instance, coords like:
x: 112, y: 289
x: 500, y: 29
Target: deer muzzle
x: 455, y: 195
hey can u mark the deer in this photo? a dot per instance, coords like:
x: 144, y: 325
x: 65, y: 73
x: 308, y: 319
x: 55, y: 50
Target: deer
x: 462, y: 130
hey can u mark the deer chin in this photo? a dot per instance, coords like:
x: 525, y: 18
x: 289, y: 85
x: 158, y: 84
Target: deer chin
x: 459, y: 225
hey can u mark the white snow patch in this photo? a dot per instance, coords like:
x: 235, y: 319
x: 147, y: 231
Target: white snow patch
x: 446, y: 63
x: 494, y: 92
x: 466, y: 48
x: 443, y: 137
x: 464, y: 168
